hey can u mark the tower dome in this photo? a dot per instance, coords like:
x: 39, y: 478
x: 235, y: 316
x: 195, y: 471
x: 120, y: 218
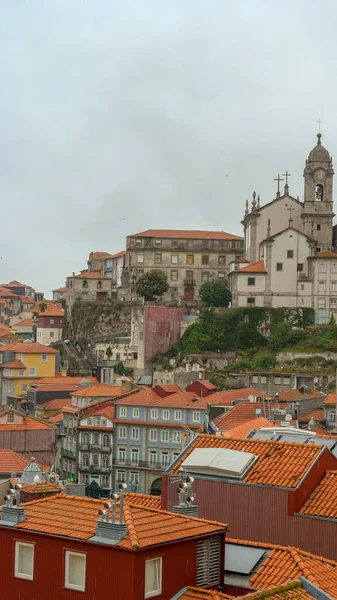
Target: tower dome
x: 319, y: 153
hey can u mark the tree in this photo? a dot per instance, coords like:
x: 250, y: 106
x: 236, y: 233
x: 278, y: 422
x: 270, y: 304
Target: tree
x: 42, y: 306
x: 214, y: 293
x: 109, y: 352
x: 153, y: 283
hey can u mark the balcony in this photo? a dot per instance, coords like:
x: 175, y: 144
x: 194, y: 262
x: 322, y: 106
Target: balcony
x: 105, y: 448
x: 100, y: 469
x: 189, y: 282
x: 83, y: 467
x: 68, y: 453
x: 142, y: 464
x: 84, y: 447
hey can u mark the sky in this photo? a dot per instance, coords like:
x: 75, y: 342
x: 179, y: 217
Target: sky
x: 118, y: 116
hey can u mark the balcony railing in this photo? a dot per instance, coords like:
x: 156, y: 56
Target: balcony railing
x: 68, y: 453
x: 100, y: 469
x: 145, y: 464
x: 189, y: 282
x: 83, y: 467
x: 87, y: 447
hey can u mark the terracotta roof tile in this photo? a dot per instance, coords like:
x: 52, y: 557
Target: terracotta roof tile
x: 89, y: 275
x: 99, y: 255
x: 194, y: 593
x: 280, y: 464
x: 14, y: 364
x: 317, y: 415
x: 227, y: 397
x: 11, y: 462
x: 61, y: 290
x: 57, y: 418
x: 41, y: 488
x: 188, y: 234
x: 29, y: 348
x: 207, y: 384
x: 289, y: 591
x: 325, y: 254
x: 323, y: 500
x: 330, y: 399
x: 170, y: 387
x: 24, y: 323
x: 52, y: 312
x: 56, y: 404
x: 99, y: 390
x: 119, y: 254
x: 144, y: 500
x: 240, y: 414
x: 75, y: 517
x: 257, y: 267
x: 241, y: 431
x: 27, y: 422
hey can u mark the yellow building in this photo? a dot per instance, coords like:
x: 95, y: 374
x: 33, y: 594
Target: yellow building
x: 23, y: 363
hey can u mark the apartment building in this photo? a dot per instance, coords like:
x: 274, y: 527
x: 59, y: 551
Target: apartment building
x: 95, y: 446
x: 189, y: 258
x: 50, y: 326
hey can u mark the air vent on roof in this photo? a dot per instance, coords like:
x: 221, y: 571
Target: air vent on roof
x: 219, y: 461
x: 195, y: 399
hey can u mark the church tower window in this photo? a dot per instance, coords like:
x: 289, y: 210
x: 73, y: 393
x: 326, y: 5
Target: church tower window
x: 319, y: 192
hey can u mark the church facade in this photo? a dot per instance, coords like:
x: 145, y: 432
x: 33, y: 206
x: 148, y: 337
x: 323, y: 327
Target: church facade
x: 289, y: 259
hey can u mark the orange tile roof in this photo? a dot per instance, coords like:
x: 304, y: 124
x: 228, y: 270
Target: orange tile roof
x: 279, y: 464
x: 325, y: 254
x: 26, y: 300
x: 75, y: 517
x: 57, y: 418
x: 289, y: 591
x: 106, y: 411
x: 241, y: 431
x: 240, y: 414
x: 207, y: 384
x: 144, y: 500
x: 16, y: 283
x: 41, y: 488
x: 194, y: 593
x: 24, y: 323
x: 56, y: 404
x: 13, y: 364
x: 12, y: 462
x: 52, y: 312
x: 99, y: 255
x: 61, y: 289
x: 6, y: 328
x: 317, y: 415
x: 170, y: 387
x: 29, y: 348
x: 88, y: 275
x: 323, y: 500
x: 330, y: 399
x: 64, y: 379
x: 257, y: 267
x: 48, y: 304
x: 27, y: 423
x: 119, y: 254
x: 187, y: 233
x: 99, y: 390
x: 227, y: 397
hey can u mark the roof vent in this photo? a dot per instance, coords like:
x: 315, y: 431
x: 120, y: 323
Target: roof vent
x: 186, y: 504
x: 86, y: 383
x: 12, y: 512
x: 109, y: 530
x: 195, y: 399
x: 220, y: 461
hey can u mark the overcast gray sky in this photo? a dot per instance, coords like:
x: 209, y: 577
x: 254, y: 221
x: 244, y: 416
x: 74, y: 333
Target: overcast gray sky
x: 118, y: 116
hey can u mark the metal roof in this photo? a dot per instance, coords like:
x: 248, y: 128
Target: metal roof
x: 242, y: 559
x: 219, y: 461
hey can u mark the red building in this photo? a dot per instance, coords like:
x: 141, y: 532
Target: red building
x: 59, y: 546
x: 202, y: 387
x: 280, y: 499
x: 166, y: 390
x: 161, y: 329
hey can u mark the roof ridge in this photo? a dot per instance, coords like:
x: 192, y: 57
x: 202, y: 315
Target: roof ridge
x: 131, y: 526
x: 271, y: 591
x: 179, y: 515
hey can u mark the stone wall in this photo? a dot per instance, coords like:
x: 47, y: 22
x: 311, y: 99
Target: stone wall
x: 97, y: 321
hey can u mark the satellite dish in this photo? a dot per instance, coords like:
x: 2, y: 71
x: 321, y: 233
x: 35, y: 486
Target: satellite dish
x: 250, y: 398
x: 288, y: 417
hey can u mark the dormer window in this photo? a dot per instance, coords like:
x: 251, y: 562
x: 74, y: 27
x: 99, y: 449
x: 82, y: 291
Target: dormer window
x: 10, y: 417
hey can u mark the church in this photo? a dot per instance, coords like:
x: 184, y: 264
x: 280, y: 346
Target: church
x: 289, y: 258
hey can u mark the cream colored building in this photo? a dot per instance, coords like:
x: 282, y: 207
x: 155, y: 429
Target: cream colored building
x: 88, y: 286
x: 288, y: 245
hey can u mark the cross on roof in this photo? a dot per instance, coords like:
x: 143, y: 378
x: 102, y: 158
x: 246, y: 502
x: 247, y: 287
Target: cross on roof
x: 278, y: 179
x: 286, y: 175
x: 319, y: 125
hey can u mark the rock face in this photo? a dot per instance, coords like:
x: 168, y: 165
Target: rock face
x: 98, y: 321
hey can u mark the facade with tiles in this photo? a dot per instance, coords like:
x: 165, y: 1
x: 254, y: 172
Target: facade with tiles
x: 147, y: 439
x: 189, y: 258
x: 95, y: 449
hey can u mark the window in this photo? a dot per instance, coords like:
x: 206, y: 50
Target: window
x: 153, y: 457
x: 121, y: 478
x: 85, y: 478
x: 135, y: 413
x: 174, y: 259
x: 319, y: 192
x: 85, y: 439
x: 10, y: 417
x: 251, y: 301
x: 154, y: 413
x: 299, y: 267
x: 190, y: 243
x: 318, y: 227
x: 321, y: 286
x: 95, y: 460
x: 321, y: 268
x: 286, y: 380
x: 135, y: 433
x: 104, y: 422
x: 157, y: 259
x: 122, y: 412
x: 318, y: 250
x: 255, y: 379
x: 174, y: 243
x: 277, y: 380
x: 140, y: 272
x: 177, y: 437
x: 279, y: 266
x: 164, y: 459
x: 24, y: 387
x: 105, y: 480
x: 51, y: 334
x: 189, y: 277
x: 204, y: 276
x: 90, y: 421
x: 99, y: 285
x: 122, y: 433
x: 21, y: 357
x: 75, y: 571
x: 121, y: 454
x: 85, y: 284
x: 32, y: 371
x: 96, y: 438
x: 97, y: 420
x: 196, y: 416
x: 334, y: 286
x: 44, y: 357
x: 190, y: 259
x: 134, y: 477
x: 51, y: 321
x: 251, y: 281
x: 222, y: 260
x: 153, y: 435
x: 134, y: 456
x: 290, y: 254
x: 263, y: 379
x: 205, y: 259
x: 208, y: 562
x: 177, y: 415
x: 153, y: 577
x: 302, y: 286
x: 24, y: 560
x: 139, y: 242
x: 321, y: 302
x: 333, y: 267
x: 166, y: 414
x: 174, y: 275
x: 105, y: 462
x: 164, y: 435
x: 157, y: 243
x: 332, y: 416
x: 140, y: 258
x: 221, y: 274
x: 85, y: 460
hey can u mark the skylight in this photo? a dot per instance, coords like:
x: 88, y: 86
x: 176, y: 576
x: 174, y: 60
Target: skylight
x: 219, y: 461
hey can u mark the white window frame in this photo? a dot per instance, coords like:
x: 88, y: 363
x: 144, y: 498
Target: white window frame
x: 135, y: 413
x: 120, y: 430
x: 32, y: 371
x: 122, y: 411
x: 177, y: 415
x: 133, y: 431
x: 21, y: 372
x: 165, y: 435
x: 153, y: 436
x: 177, y: 437
x: 196, y: 416
x: 44, y: 358
x: 159, y: 568
x: 154, y: 413
x: 140, y: 258
x: 166, y: 414
x: 67, y: 584
x: 17, y: 574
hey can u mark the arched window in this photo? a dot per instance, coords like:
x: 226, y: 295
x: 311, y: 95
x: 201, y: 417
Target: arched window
x: 95, y: 460
x: 96, y: 438
x: 99, y: 285
x: 85, y: 284
x: 319, y: 192
x: 85, y: 460
x: 86, y: 440
x: 332, y: 416
x: 106, y: 461
x: 106, y: 441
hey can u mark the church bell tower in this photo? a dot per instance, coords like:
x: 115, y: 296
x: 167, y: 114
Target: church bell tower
x: 318, y: 204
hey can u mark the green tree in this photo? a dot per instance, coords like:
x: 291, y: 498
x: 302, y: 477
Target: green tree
x: 109, y: 352
x: 151, y: 284
x: 214, y: 293
x: 42, y: 306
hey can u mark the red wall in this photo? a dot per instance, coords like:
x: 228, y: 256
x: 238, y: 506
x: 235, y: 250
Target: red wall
x: 161, y: 329
x: 111, y: 572
x: 199, y: 389
x: 44, y: 322
x: 39, y: 443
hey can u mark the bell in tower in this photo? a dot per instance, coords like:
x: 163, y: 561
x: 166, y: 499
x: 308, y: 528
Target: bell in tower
x: 318, y: 207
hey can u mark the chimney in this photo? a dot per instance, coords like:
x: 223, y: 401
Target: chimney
x: 186, y: 504
x: 127, y: 385
x: 12, y: 512
x: 109, y: 530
